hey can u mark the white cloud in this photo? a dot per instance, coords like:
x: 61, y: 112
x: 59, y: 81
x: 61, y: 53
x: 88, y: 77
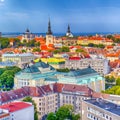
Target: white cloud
x: 16, y: 15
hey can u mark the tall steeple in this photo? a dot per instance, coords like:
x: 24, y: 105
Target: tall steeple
x: 69, y: 34
x: 68, y: 30
x: 49, y: 28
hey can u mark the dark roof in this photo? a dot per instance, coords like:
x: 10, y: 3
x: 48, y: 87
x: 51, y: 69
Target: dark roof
x: 80, y: 72
x: 35, y: 67
x: 31, y: 69
x: 41, y: 64
x: 106, y: 105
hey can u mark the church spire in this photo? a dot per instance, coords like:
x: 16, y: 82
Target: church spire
x: 49, y: 28
x: 68, y: 30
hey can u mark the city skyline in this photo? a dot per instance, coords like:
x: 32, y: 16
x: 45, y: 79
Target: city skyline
x: 82, y: 15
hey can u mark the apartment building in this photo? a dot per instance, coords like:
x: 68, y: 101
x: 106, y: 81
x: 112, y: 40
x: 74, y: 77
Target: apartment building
x: 98, y: 64
x: 100, y: 109
x: 49, y: 98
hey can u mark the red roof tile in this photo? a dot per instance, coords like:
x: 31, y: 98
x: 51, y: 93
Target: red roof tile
x: 15, y: 106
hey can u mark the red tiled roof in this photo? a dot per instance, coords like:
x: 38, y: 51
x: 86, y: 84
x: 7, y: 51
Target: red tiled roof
x: 15, y: 106
x: 74, y: 58
x: 40, y: 91
x: 58, y: 87
x: 100, y: 95
x: 77, y: 88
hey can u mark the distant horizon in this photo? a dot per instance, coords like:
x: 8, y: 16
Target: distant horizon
x: 82, y: 15
x: 15, y: 34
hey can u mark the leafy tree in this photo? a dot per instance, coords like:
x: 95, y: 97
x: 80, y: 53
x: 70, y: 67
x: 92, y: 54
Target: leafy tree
x: 63, y: 70
x: 23, y: 51
x: 29, y: 99
x: 90, y: 45
x: 37, y: 44
x: 65, y: 49
x: 51, y: 116
x: 31, y: 43
x: 4, y: 42
x: 109, y: 79
x: 101, y: 46
x: 56, y: 51
x: 110, y: 37
x: 64, y: 112
x: 17, y: 42
x: 118, y: 81
x: 7, y: 76
x: 36, y: 50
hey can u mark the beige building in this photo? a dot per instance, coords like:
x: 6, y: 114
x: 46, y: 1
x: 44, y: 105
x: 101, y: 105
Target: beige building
x: 49, y: 98
x: 99, y: 109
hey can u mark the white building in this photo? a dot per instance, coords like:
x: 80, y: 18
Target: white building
x: 19, y: 59
x: 98, y: 64
x: 17, y: 111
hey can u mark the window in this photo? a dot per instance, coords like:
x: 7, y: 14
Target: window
x: 88, y: 108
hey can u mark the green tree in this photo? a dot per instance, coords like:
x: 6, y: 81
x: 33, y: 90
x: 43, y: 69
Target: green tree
x: 4, y: 42
x: 31, y: 43
x: 65, y: 49
x: 56, y: 51
x: 17, y: 42
x: 7, y: 76
x: 91, y: 45
x: 109, y: 79
x: 29, y: 99
x: 23, y: 51
x: 64, y: 112
x: 37, y: 44
x: 36, y: 50
x: 118, y: 81
x: 51, y: 116
x: 101, y: 46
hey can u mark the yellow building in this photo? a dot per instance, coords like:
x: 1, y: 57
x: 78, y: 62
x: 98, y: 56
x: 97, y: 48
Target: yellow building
x: 94, y: 40
x: 57, y: 63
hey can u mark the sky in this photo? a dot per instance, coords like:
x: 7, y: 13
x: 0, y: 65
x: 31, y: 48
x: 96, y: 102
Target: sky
x: 81, y: 15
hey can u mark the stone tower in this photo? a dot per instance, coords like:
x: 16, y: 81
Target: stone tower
x: 49, y: 35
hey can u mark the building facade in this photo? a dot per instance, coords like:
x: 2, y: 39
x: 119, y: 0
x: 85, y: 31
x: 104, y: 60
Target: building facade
x: 99, y: 109
x: 27, y: 36
x: 42, y: 73
x: 98, y: 64
x: 18, y: 59
x: 86, y: 76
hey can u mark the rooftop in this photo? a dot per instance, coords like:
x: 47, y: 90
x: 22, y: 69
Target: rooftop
x: 14, y: 55
x: 106, y: 105
x: 80, y: 72
x: 15, y: 106
x: 42, y: 90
